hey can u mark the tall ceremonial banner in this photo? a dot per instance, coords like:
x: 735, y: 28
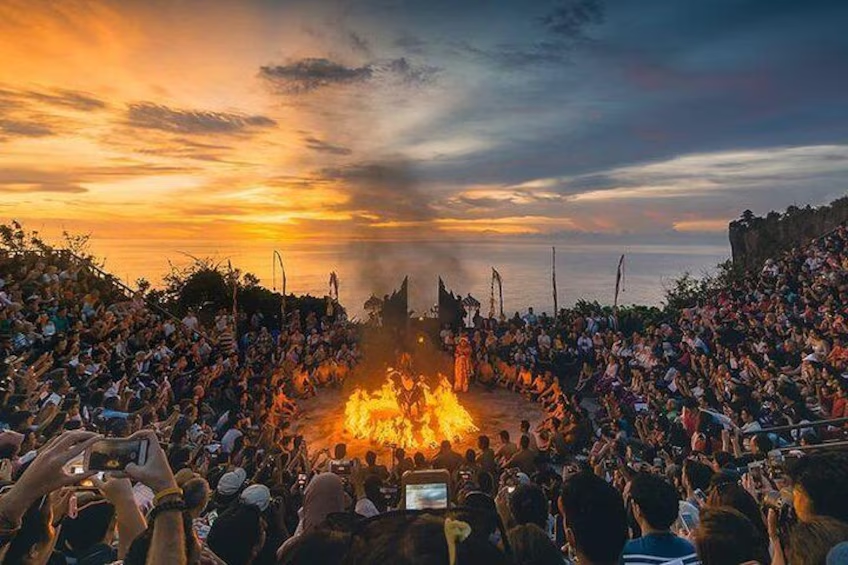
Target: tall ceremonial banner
x: 450, y: 307
x: 496, y: 279
x: 333, y: 294
x: 279, y: 259
x: 396, y: 307
x: 553, y: 281
x: 619, y: 280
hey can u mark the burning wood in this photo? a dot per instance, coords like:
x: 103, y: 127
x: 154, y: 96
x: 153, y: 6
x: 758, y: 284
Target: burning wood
x: 385, y: 418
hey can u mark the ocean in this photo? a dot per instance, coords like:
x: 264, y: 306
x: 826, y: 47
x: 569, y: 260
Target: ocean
x: 584, y: 271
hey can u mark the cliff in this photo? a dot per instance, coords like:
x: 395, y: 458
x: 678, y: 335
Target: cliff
x: 754, y: 239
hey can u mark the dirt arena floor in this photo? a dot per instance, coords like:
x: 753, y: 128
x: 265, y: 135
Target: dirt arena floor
x: 322, y: 420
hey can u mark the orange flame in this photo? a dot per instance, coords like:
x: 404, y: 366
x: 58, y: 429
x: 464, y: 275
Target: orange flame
x: 379, y: 417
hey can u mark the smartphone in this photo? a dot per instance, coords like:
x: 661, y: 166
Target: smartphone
x: 54, y: 399
x: 342, y: 468
x: 301, y: 481
x: 115, y: 454
x: 702, y: 498
x: 425, y: 490
x: 687, y: 523
x: 755, y: 470
x: 659, y: 463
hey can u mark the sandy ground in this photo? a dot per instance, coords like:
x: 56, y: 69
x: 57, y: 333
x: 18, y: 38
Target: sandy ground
x: 322, y: 420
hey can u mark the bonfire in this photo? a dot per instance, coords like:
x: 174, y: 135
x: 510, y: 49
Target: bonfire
x: 380, y: 417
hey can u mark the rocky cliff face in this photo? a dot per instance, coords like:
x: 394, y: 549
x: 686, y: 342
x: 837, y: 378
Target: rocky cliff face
x: 754, y: 239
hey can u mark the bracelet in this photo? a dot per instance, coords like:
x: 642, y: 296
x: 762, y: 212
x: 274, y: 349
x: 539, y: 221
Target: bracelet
x: 163, y: 494
x: 170, y: 506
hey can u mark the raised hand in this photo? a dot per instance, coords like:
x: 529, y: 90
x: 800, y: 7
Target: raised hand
x: 156, y: 472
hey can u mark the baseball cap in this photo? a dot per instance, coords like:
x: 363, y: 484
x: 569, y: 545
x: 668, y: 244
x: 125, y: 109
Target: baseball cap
x: 232, y: 482
x: 256, y: 495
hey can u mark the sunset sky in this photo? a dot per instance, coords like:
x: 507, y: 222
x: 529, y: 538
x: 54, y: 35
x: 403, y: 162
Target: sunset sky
x: 399, y: 119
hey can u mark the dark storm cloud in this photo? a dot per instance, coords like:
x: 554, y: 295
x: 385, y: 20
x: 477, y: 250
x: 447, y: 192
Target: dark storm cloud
x: 323, y: 147
x: 307, y: 75
x: 16, y: 128
x: 155, y: 116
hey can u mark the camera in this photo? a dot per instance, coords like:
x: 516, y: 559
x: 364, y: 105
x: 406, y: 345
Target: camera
x: 510, y: 479
x: 781, y: 503
x: 301, y: 481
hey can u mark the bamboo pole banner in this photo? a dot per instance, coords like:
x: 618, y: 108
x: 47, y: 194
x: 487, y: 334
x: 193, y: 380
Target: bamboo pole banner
x: 553, y: 280
x: 619, y: 280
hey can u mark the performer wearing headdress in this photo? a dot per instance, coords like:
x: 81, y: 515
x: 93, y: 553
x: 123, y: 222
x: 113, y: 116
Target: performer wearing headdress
x: 462, y: 365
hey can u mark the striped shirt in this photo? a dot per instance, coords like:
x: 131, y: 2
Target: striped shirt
x: 659, y: 549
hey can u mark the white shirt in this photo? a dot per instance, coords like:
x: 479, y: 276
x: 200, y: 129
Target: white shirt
x: 228, y: 442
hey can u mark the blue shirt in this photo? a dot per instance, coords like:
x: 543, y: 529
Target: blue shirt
x: 659, y: 549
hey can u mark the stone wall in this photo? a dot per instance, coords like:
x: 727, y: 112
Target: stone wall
x: 754, y: 239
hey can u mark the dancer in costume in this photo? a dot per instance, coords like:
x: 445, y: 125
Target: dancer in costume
x: 462, y: 365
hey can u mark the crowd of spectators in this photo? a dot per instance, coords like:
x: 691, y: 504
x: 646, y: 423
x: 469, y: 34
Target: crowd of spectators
x: 659, y: 446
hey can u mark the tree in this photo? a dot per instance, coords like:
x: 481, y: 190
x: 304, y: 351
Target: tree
x: 250, y: 280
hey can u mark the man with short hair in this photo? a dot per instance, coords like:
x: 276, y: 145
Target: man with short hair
x: 524, y: 458
x: 447, y: 458
x: 594, y: 519
x: 486, y: 458
x: 525, y: 431
x: 654, y: 505
x: 821, y: 486
x: 507, y: 449
x: 696, y: 476
x: 371, y: 467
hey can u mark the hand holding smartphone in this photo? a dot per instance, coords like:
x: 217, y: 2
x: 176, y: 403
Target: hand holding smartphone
x: 115, y: 454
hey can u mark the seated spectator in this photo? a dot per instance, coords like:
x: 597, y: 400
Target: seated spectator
x: 654, y: 506
x: 371, y: 467
x: 524, y: 459
x: 324, y: 495
x: 531, y: 546
x: 594, y: 519
x: 506, y: 449
x: 447, y: 458
x: 403, y: 539
x: 811, y: 542
x: 238, y: 535
x: 528, y: 505
x: 821, y: 486
x: 725, y: 536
